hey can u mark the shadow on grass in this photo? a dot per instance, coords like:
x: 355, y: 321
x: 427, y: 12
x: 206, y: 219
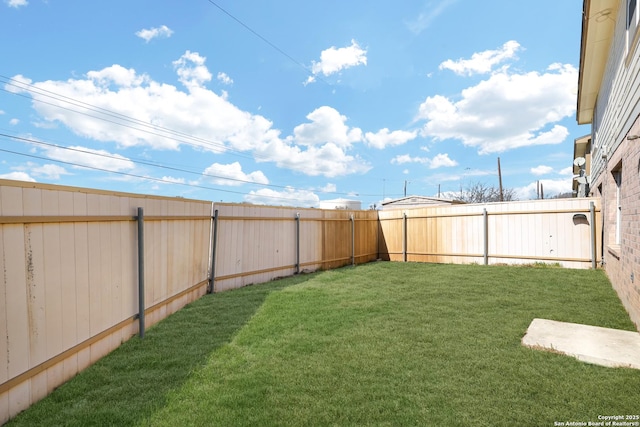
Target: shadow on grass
x: 133, y: 381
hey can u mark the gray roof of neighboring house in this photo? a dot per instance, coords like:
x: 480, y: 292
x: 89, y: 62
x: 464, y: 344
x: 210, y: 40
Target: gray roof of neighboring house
x: 416, y: 201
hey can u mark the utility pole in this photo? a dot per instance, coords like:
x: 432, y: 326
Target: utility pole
x: 500, y: 180
x: 405, y: 188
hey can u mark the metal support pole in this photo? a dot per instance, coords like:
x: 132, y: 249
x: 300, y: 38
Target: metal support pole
x: 485, y: 217
x: 404, y: 237
x: 298, y: 243
x: 592, y: 212
x: 378, y: 230
x: 214, y: 244
x: 353, y: 240
x: 140, y: 221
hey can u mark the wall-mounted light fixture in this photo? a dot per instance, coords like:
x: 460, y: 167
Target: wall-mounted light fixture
x: 632, y: 137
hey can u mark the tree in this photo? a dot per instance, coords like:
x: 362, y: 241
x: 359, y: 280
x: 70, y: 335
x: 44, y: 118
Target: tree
x: 479, y: 192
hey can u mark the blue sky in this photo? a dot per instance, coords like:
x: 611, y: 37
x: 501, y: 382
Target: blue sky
x: 287, y: 102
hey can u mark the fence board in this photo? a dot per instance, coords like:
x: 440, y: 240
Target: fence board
x: 18, y: 334
x: 36, y: 290
x: 4, y: 333
x: 81, y: 269
x: 53, y: 294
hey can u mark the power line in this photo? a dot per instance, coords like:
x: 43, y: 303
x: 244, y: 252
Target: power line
x: 138, y: 161
x: 147, y: 178
x: 123, y: 120
x: 135, y: 123
x: 274, y: 46
x: 166, y: 132
x: 159, y: 166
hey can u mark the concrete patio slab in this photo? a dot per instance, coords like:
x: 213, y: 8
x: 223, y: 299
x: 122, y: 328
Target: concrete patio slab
x: 592, y: 344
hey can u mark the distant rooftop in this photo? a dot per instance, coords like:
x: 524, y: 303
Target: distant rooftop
x: 417, y: 201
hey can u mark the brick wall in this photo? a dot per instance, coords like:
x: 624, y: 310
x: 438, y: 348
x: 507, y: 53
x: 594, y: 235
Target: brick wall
x: 622, y: 262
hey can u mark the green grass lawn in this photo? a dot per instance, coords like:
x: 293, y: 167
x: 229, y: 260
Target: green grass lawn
x: 379, y: 344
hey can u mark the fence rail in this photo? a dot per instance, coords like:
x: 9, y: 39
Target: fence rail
x: 73, y: 261
x: 255, y: 244
x: 564, y: 231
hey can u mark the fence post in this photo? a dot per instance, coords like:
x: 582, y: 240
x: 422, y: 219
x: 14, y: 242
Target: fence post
x: 353, y: 240
x: 592, y: 212
x: 378, y: 230
x: 485, y: 217
x: 140, y: 221
x: 214, y: 243
x: 404, y: 236
x: 297, y: 242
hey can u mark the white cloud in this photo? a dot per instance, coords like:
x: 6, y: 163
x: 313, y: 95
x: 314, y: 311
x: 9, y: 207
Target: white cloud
x: 16, y: 3
x: 191, y: 70
x: 406, y: 158
x: 17, y: 176
x: 319, y: 147
x: 49, y: 171
x: 151, y: 33
x: 82, y: 156
x: 329, y: 188
x: 173, y: 180
x: 116, y: 75
x: 568, y: 171
x: 431, y: 10
x: 542, y: 170
x: 17, y: 82
x: 1, y: 112
x: 442, y: 160
x: 383, y: 138
x: 233, y: 175
x: 506, y: 111
x: 482, y: 62
x: 327, y: 126
x: 439, y: 161
x: 14, y: 122
x: 334, y: 60
x: 224, y: 78
x: 288, y: 197
x: 199, y: 112
x: 551, y: 187
x: 328, y: 160
x: 45, y: 125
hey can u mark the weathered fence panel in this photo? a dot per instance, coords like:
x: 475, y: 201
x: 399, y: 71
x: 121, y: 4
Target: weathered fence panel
x: 68, y: 293
x: 556, y: 230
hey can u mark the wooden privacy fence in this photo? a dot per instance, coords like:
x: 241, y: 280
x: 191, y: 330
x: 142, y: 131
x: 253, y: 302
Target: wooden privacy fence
x: 254, y: 244
x: 69, y: 292
x: 564, y: 231
x: 84, y: 270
